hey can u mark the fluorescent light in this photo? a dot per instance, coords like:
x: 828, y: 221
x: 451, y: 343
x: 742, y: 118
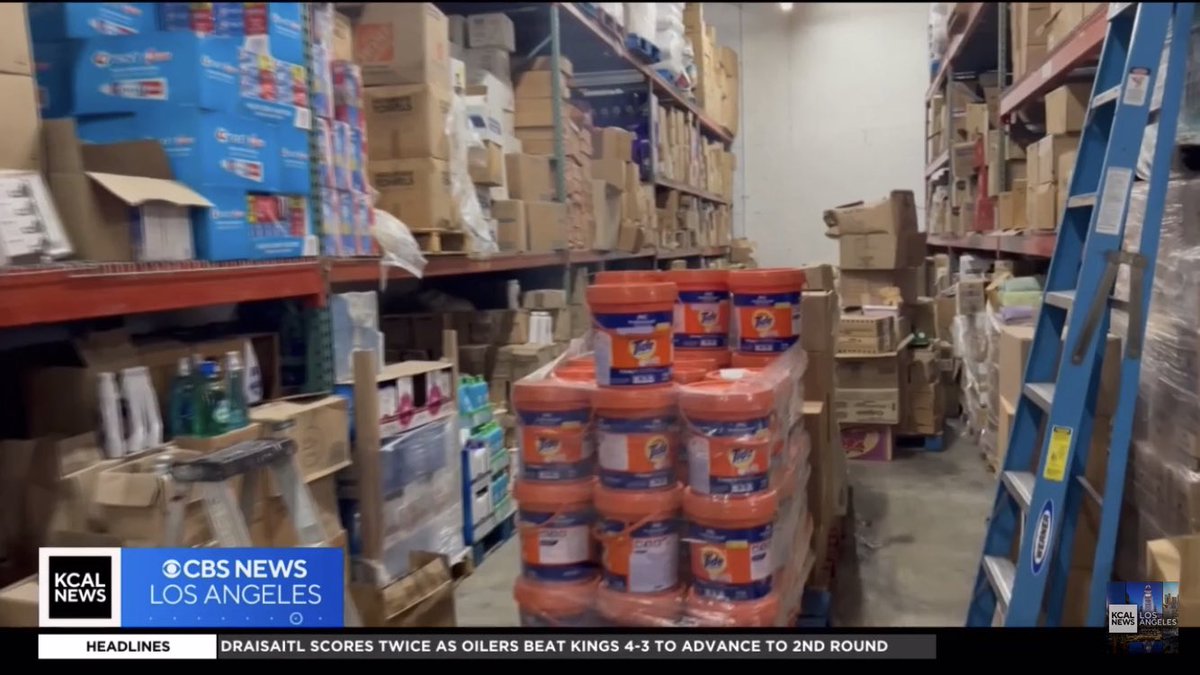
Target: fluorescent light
x: 786, y: 6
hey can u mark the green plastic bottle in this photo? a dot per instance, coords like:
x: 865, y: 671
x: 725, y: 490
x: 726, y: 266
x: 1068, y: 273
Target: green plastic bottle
x: 182, y: 417
x: 235, y: 392
x: 215, y: 409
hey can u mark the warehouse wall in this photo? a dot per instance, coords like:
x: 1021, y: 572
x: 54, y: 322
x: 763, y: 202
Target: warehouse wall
x: 832, y: 110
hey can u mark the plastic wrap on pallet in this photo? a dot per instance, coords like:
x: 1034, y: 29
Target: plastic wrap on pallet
x: 1188, y: 130
x: 666, y: 556
x: 355, y: 319
x: 641, y: 19
x: 463, y: 137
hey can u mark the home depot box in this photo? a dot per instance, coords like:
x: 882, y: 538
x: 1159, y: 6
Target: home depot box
x: 402, y: 43
x: 880, y: 287
x: 1012, y: 352
x: 417, y: 191
x: 319, y: 426
x: 406, y: 121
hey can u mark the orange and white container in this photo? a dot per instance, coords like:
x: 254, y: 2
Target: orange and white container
x: 551, y: 605
x: 633, y: 333
x: 766, y: 309
x: 730, y: 544
x: 734, y: 374
x: 639, y: 537
x: 714, y: 613
x: 637, y: 435
x: 701, y: 310
x: 755, y: 361
x: 688, y: 372
x: 729, y: 427
x: 554, y: 418
x: 609, y: 278
x: 640, y: 610
x: 554, y: 522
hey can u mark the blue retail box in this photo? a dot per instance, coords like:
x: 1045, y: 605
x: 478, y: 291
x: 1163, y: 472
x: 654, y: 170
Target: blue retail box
x: 208, y: 18
x: 154, y: 71
x: 52, y: 21
x: 250, y: 226
x: 53, y: 64
x: 222, y: 232
x: 275, y: 28
x: 274, y: 90
x: 206, y: 148
x: 295, y: 163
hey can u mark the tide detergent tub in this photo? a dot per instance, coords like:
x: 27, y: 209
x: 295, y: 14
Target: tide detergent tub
x: 715, y: 613
x: 701, y: 310
x: 149, y: 72
x: 639, y: 535
x: 637, y: 437
x: 640, y: 610
x: 554, y: 522
x: 766, y: 307
x: 729, y: 436
x: 549, y: 605
x: 49, y: 21
x: 633, y: 333
x: 553, y: 420
x: 730, y: 544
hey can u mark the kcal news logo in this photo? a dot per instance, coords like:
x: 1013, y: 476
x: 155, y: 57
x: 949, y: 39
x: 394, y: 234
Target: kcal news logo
x: 79, y: 587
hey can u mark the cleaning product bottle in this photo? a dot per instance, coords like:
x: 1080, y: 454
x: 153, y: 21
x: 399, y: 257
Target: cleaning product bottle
x: 215, y: 407
x: 182, y: 416
x: 235, y: 392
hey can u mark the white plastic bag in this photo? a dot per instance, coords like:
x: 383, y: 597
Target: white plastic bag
x: 398, y: 246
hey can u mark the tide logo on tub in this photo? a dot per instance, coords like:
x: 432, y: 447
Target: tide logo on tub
x: 656, y: 451
x: 707, y: 319
x: 642, y: 350
x: 763, y: 321
x: 742, y: 459
x: 548, y: 448
x: 714, y: 561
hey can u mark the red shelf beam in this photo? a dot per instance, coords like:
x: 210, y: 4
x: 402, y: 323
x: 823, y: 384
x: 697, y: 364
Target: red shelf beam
x: 1080, y: 47
x: 974, y: 14
x: 89, y: 291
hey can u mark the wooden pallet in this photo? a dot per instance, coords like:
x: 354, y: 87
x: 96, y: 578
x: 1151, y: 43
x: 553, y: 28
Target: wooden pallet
x: 441, y: 242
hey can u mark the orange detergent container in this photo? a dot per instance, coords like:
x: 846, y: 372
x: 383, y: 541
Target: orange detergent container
x: 701, y: 311
x: 766, y: 309
x: 554, y: 522
x: 633, y: 333
x: 759, y: 361
x: 710, y: 613
x: 550, y: 605
x: 629, y: 277
x: 553, y: 417
x: 733, y: 374
x: 729, y: 436
x: 787, y: 486
x: 640, y: 610
x: 637, y: 437
x: 711, y: 360
x: 730, y: 544
x: 639, y: 535
x: 687, y: 373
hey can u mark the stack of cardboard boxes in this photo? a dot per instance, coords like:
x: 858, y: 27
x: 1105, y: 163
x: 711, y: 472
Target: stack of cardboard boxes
x: 880, y: 251
x: 716, y: 69
x: 1039, y: 27
x: 1052, y: 159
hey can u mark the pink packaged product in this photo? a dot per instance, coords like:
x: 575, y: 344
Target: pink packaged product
x: 326, y: 158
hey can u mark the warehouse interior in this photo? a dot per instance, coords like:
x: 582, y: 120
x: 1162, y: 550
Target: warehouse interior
x: 641, y: 315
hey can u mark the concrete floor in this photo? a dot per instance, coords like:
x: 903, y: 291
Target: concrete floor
x: 919, y: 524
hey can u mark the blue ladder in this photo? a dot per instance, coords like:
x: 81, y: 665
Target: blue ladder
x: 1083, y: 273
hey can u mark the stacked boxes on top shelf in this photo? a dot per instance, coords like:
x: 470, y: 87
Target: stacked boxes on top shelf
x: 1052, y: 159
x: 684, y: 156
x: 716, y: 69
x: 341, y: 132
x: 1039, y: 27
x: 223, y: 88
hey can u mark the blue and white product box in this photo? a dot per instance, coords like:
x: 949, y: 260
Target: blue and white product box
x: 341, y: 155
x: 53, y: 64
x: 348, y: 93
x: 202, y: 18
x: 274, y: 90
x: 356, y: 152
x: 364, y: 223
x: 150, y: 72
x: 278, y: 225
x: 325, y: 159
x: 275, y: 28
x: 50, y: 21
x: 323, y: 15
x: 221, y: 232
x: 331, y: 235
x: 295, y: 163
x: 322, y: 93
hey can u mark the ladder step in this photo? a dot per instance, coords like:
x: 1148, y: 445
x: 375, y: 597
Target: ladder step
x: 1066, y: 300
x: 1000, y: 573
x: 1106, y: 96
x: 1020, y: 486
x: 1041, y: 393
x: 1080, y: 201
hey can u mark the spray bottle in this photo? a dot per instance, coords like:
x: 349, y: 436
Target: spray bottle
x: 235, y: 392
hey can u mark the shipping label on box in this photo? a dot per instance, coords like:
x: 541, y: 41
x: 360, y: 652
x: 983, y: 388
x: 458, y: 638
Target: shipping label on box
x: 407, y: 122
x: 867, y: 406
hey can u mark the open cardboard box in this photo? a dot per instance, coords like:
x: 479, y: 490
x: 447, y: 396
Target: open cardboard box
x: 423, y: 599
x: 99, y: 190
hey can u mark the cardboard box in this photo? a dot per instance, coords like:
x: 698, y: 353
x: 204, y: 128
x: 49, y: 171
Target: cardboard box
x: 880, y: 251
x: 1041, y: 207
x: 606, y: 214
x: 880, y: 287
x: 512, y: 232
x: 492, y: 60
x: 417, y: 191
x: 343, y: 37
x: 486, y: 164
x: 818, y: 277
x: 422, y: 599
x: 867, y: 334
x: 611, y: 171
x: 613, y: 143
x: 134, y: 498
x: 971, y: 295
x: 546, y: 298
x: 535, y: 112
x: 206, y: 445
x: 530, y: 178
x: 318, y: 425
x: 547, y: 223
x: 1012, y: 351
x: 278, y: 528
x: 539, y: 84
x: 924, y: 412
x: 923, y: 314
x: 819, y: 376
x: 897, y: 214
x: 867, y: 406
x: 491, y: 30
x: 19, y: 602
x: 403, y: 44
x: 819, y: 314
x: 1066, y: 108
x: 15, y: 56
x: 406, y: 121
x: 1008, y: 411
x: 881, y: 371
x: 1049, y: 150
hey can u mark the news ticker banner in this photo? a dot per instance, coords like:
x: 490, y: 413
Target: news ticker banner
x: 180, y: 588
x: 548, y: 646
